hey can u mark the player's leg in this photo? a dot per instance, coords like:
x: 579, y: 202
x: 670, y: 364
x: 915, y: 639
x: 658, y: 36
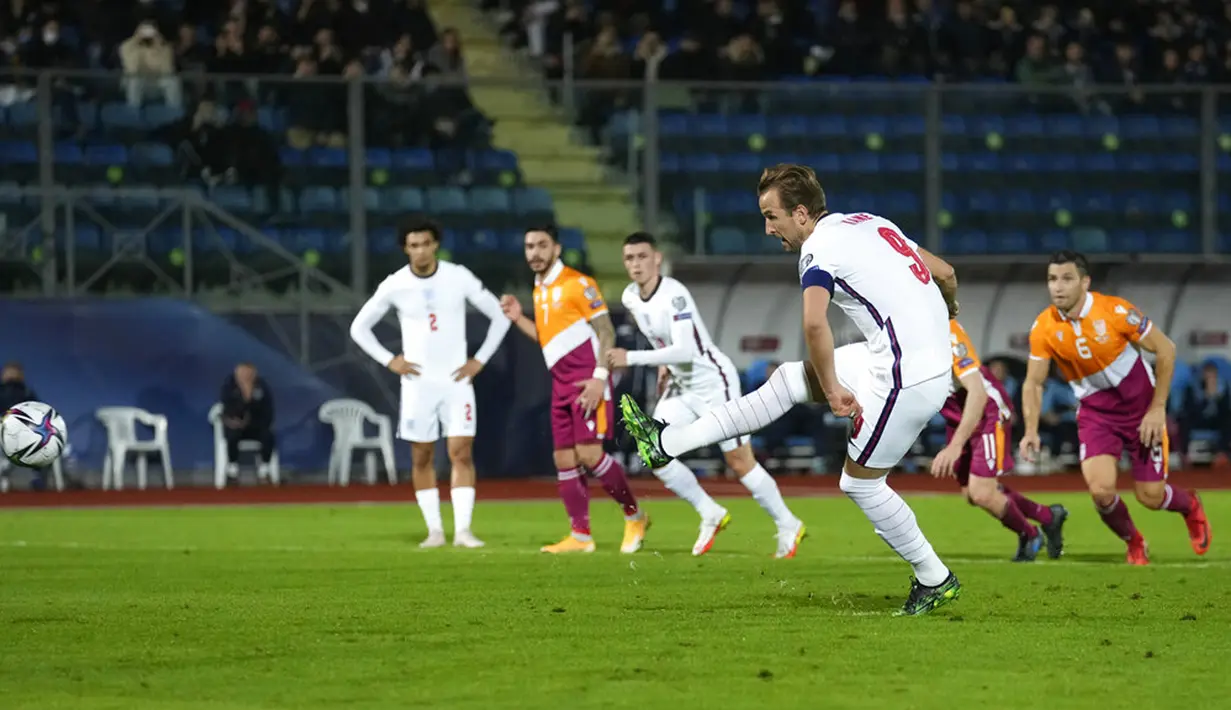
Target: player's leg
x: 890, y: 422
x: 791, y: 384
x: 458, y: 419
x: 982, y: 462
x: 1150, y: 471
x: 764, y: 490
x: 1100, y: 450
x: 268, y: 441
x: 680, y: 480
x: 421, y: 427
x: 571, y: 483
x: 590, y: 433
x: 1051, y: 518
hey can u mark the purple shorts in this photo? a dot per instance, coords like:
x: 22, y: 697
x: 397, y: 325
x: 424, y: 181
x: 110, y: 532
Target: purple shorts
x: 986, y: 455
x: 569, y: 424
x: 1101, y: 434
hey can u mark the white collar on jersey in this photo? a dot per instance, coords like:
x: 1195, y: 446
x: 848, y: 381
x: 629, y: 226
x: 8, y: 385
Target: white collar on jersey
x: 830, y: 218
x: 552, y: 273
x: 1085, y: 308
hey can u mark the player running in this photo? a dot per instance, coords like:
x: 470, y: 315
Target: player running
x: 900, y: 297
x: 573, y: 327
x: 430, y: 298
x: 1095, y: 342
x: 700, y: 377
x: 977, y: 416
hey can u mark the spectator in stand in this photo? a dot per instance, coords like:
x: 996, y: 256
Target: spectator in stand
x: 312, y: 110
x: 50, y: 51
x: 1207, y: 407
x: 149, y: 67
x: 247, y: 415
x: 603, y: 58
x: 1058, y: 417
x: 253, y: 158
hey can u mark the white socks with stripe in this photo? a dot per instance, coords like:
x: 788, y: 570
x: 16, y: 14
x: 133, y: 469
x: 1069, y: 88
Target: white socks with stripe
x: 895, y: 522
x: 680, y: 480
x: 463, y: 508
x: 764, y: 490
x: 787, y: 387
x: 429, y: 503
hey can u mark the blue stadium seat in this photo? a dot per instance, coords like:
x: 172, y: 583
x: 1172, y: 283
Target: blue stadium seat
x: 490, y: 200
x: 232, y: 198
x: 69, y: 154
x: 1137, y: 127
x: 403, y: 199
x: 787, y: 126
x: 123, y: 116
x: 672, y: 124
x: 745, y: 125
x: 533, y: 202
x: 106, y: 154
x: 965, y: 242
x: 18, y: 153
x: 414, y: 159
x: 378, y: 159
x: 140, y: 198
x: 328, y: 158
x: 1175, y: 241
x: 1053, y: 240
x: 1015, y: 242
x: 570, y: 238
x: 160, y: 114
x: 371, y: 199
x: 151, y: 155
x: 446, y: 200
x: 23, y: 115
x: 319, y: 199
x: 292, y: 157
x: 1020, y: 201
x: 746, y: 163
x: 10, y: 194
x: 1129, y: 240
x: 496, y: 160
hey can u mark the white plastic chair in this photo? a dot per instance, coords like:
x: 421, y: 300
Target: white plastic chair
x: 220, y: 451
x: 121, y: 424
x: 56, y: 470
x: 347, y: 417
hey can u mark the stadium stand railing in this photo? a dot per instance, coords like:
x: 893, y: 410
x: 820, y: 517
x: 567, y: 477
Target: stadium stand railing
x: 992, y: 170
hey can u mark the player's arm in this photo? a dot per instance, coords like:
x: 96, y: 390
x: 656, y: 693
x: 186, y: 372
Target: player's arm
x: 972, y: 410
x: 818, y: 286
x: 683, y: 347
x: 1032, y: 393
x: 1152, y: 339
x: 365, y: 320
x: 945, y: 277
x: 498, y: 326
x: 511, y: 308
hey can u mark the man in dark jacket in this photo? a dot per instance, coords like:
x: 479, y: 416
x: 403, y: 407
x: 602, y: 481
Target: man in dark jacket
x: 247, y: 415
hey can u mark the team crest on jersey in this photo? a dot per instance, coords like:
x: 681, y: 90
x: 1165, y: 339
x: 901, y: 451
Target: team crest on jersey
x: 960, y: 350
x: 678, y: 302
x: 804, y: 263
x: 1100, y: 330
x: 590, y: 294
x: 1134, y: 317
x: 556, y: 294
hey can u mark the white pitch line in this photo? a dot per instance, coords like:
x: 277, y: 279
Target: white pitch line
x: 409, y: 548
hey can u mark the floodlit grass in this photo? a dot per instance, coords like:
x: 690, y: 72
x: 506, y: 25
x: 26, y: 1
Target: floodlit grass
x: 325, y: 607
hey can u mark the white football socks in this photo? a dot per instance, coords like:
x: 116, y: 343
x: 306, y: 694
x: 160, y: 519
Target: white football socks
x: 787, y: 387
x: 429, y: 503
x: 764, y: 490
x: 895, y: 522
x: 463, y: 507
x: 680, y: 480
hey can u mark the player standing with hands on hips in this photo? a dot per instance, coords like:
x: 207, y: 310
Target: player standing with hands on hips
x: 901, y: 298
x: 430, y: 298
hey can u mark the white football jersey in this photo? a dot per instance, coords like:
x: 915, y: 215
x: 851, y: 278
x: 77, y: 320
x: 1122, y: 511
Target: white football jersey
x: 432, y: 313
x: 875, y: 275
x: 670, y: 321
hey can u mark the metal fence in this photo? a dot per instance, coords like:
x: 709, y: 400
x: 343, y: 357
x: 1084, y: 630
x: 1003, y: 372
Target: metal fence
x: 949, y: 162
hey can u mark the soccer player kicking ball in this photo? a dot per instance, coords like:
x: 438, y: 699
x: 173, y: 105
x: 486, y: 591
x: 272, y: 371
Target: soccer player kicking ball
x: 1095, y: 341
x: 701, y: 377
x: 977, y: 415
x: 900, y: 297
x: 430, y: 298
x: 573, y: 327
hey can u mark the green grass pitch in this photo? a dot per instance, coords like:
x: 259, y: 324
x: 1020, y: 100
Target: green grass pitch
x: 335, y: 607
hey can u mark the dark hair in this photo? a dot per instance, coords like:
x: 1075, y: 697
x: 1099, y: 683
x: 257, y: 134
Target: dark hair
x: 417, y: 223
x: 549, y: 229
x: 641, y: 238
x: 796, y: 185
x: 1068, y: 256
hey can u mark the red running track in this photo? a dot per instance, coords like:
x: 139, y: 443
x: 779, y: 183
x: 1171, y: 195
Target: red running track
x: 533, y: 489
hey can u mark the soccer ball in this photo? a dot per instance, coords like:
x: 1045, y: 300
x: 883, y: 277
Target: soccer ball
x: 32, y: 434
